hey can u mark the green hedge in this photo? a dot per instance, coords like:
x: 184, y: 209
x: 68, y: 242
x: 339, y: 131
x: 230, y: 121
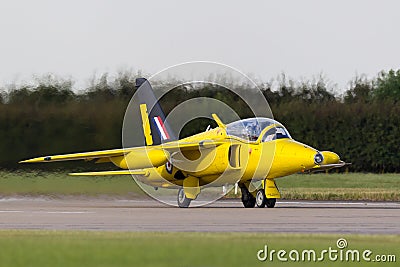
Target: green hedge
x: 363, y: 126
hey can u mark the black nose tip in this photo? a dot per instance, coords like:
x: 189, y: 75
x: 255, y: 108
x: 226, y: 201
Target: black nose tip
x: 318, y: 158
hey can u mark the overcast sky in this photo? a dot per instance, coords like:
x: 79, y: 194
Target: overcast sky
x: 339, y: 38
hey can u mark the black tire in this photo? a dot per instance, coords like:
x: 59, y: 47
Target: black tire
x: 261, y: 199
x: 183, y: 201
x: 248, y: 200
x: 270, y: 202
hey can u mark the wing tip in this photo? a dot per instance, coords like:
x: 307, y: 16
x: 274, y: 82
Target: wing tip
x: 30, y: 161
x: 35, y: 160
x: 77, y: 174
x: 111, y: 173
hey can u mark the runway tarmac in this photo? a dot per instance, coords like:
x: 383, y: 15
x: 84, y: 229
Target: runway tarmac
x: 222, y: 216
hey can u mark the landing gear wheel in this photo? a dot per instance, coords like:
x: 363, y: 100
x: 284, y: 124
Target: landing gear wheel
x: 248, y: 199
x: 270, y: 202
x: 261, y: 199
x: 183, y: 201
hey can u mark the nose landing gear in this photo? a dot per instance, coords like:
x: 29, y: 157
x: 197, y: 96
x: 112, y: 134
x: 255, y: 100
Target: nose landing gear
x: 248, y: 200
x: 271, y: 202
x: 265, y: 196
x: 262, y: 200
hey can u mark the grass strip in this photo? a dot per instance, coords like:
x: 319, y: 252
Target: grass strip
x: 81, y: 248
x: 351, y: 186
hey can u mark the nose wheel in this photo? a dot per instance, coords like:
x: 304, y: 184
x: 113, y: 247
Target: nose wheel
x: 270, y: 202
x: 262, y: 200
x: 248, y: 199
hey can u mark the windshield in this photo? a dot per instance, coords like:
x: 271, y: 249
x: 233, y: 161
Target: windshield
x: 275, y: 133
x: 250, y: 129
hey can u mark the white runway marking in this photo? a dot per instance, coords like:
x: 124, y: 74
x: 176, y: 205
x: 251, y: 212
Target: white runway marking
x: 12, y: 199
x: 46, y: 212
x: 63, y: 212
x: 11, y: 211
x: 335, y: 203
x: 324, y: 203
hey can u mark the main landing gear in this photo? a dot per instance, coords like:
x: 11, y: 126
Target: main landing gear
x: 183, y: 201
x: 189, y: 191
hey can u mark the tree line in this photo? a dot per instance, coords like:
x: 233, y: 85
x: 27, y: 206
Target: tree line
x: 362, y: 125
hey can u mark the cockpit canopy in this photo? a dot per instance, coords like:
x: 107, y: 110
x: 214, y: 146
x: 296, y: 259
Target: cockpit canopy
x: 251, y: 129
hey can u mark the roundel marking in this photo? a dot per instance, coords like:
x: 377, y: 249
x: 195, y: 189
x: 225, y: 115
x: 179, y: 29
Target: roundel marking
x: 168, y: 167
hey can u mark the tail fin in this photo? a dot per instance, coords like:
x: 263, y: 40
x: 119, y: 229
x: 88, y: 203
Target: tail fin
x: 146, y: 124
x: 159, y: 130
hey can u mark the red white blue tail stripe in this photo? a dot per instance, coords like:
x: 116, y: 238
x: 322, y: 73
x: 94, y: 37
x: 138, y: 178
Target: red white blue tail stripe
x: 161, y: 128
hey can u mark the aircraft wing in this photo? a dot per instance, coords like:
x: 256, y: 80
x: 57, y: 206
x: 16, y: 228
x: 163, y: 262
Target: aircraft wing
x: 172, y: 146
x: 103, y: 173
x: 105, y: 154
x: 77, y: 156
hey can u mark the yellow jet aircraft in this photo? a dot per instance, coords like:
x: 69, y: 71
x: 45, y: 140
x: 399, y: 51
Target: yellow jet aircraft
x: 242, y: 152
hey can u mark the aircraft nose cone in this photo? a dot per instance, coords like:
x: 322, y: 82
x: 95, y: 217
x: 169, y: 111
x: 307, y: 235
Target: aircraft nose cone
x: 297, y: 156
x: 330, y: 157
